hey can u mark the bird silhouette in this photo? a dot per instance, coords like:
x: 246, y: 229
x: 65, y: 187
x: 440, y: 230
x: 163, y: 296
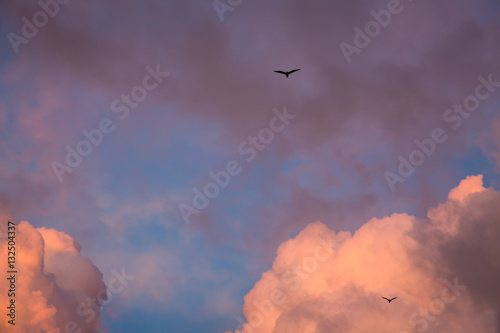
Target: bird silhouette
x: 389, y: 300
x: 287, y: 73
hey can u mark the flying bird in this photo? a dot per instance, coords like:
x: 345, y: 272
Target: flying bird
x: 287, y: 73
x: 389, y: 300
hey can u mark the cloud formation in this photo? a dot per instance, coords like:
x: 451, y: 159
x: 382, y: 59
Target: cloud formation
x: 392, y: 94
x: 355, y: 119
x: 52, y: 281
x: 444, y: 270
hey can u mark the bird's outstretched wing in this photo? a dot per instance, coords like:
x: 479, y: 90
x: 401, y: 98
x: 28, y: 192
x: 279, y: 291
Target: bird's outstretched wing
x: 389, y: 300
x: 293, y: 71
x: 281, y: 72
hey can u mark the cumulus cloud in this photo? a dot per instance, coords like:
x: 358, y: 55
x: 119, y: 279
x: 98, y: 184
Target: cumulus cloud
x: 444, y: 270
x: 51, y: 282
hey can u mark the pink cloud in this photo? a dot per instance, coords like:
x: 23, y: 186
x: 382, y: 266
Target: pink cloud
x: 52, y: 280
x: 316, y: 288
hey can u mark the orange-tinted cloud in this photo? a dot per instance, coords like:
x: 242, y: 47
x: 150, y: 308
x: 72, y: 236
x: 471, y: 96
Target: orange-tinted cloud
x: 52, y: 280
x: 442, y: 269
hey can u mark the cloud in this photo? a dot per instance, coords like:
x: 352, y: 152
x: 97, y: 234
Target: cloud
x: 355, y: 119
x: 443, y: 269
x: 52, y: 280
x: 394, y: 92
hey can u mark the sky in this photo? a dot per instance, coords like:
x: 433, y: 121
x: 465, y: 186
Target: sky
x: 162, y: 177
